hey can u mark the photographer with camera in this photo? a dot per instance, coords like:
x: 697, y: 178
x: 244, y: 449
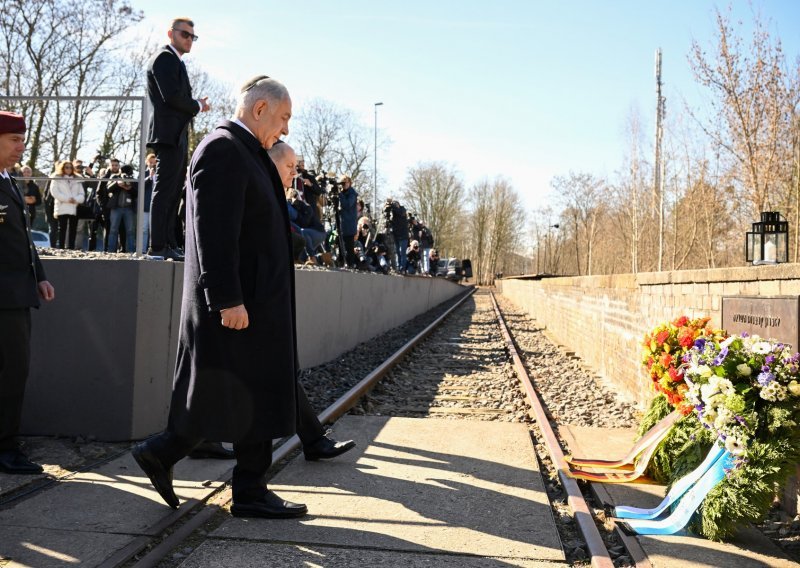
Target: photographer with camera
x: 433, y: 263
x: 349, y: 217
x: 400, y: 233
x: 412, y: 258
x: 121, y: 199
x: 308, y: 188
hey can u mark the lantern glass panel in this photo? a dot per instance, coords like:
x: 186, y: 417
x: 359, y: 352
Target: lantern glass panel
x: 770, y: 249
x: 782, y: 245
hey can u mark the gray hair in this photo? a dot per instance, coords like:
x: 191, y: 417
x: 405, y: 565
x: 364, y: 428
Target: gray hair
x: 265, y: 89
x: 278, y: 151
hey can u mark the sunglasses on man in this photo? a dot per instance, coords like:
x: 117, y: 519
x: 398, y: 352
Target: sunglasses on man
x: 185, y: 34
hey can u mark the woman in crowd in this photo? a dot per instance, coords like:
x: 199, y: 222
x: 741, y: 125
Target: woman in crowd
x: 68, y: 192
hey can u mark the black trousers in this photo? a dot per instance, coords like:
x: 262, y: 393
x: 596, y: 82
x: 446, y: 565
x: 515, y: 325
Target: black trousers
x: 249, y: 474
x: 15, y: 357
x: 67, y: 229
x: 170, y: 175
x: 252, y: 459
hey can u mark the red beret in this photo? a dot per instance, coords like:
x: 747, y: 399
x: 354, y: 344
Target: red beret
x: 11, y: 123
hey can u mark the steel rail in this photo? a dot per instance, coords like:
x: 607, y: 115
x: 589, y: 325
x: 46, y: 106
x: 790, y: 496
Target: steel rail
x: 343, y: 404
x: 583, y: 515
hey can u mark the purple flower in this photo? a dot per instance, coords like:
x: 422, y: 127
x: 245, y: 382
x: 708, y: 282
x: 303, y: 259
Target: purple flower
x: 765, y: 378
x: 744, y: 334
x: 720, y: 358
x: 765, y: 368
x: 770, y: 359
x: 699, y: 343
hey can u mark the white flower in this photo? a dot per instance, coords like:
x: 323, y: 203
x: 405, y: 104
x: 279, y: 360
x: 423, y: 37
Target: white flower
x: 762, y: 347
x: 727, y: 342
x: 743, y: 370
x: 704, y: 371
x: 724, y: 417
x: 734, y: 445
x: 794, y: 388
x: 770, y: 392
x: 711, y: 394
x: 725, y: 387
x: 780, y: 391
x: 709, y: 416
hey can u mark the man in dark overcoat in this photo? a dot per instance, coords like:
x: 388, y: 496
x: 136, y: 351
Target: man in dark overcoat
x: 170, y: 94
x: 22, y: 284
x: 236, y: 370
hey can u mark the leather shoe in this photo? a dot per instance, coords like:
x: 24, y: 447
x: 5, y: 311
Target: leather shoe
x: 325, y: 449
x: 269, y: 506
x: 160, y: 477
x: 211, y: 450
x: 165, y: 253
x: 17, y: 463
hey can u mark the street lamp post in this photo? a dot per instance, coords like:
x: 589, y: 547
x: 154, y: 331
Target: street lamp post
x: 375, y: 166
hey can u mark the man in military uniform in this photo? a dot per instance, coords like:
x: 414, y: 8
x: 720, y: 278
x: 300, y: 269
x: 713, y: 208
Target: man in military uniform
x: 22, y: 283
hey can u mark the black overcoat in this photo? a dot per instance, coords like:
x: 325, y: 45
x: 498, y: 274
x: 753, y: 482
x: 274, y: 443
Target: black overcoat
x: 236, y: 386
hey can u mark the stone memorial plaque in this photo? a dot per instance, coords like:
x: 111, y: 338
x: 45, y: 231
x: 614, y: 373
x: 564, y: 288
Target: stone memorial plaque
x: 769, y: 317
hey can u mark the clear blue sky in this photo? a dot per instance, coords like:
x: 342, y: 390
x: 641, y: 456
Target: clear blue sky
x: 525, y: 89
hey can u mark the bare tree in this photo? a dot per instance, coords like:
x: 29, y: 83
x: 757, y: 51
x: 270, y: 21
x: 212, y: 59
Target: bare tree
x: 53, y: 55
x: 434, y: 191
x: 583, y: 197
x: 331, y: 139
x: 751, y: 93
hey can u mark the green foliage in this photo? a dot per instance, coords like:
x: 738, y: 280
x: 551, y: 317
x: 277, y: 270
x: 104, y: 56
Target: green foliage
x: 746, y: 494
x: 681, y: 451
x: 659, y: 408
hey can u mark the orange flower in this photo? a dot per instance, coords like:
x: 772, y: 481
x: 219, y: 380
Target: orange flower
x: 662, y: 337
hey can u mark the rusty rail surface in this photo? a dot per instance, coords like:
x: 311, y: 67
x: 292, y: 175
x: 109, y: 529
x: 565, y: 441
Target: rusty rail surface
x: 583, y: 515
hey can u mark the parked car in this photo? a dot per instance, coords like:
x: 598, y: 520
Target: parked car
x: 40, y: 239
x: 450, y: 268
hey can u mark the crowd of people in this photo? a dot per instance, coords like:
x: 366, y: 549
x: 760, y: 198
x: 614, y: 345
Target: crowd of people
x: 330, y: 224
x: 86, y: 210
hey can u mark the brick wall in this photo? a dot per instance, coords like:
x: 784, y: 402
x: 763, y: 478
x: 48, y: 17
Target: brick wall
x: 603, y: 318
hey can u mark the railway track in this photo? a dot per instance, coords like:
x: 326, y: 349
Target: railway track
x: 462, y: 366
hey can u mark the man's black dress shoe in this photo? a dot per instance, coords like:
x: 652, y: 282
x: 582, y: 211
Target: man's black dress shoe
x: 211, y: 450
x: 160, y: 477
x: 270, y: 506
x: 166, y: 253
x: 325, y: 449
x: 15, y: 462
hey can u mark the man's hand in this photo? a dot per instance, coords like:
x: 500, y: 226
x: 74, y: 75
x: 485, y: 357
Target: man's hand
x: 46, y: 291
x: 306, y: 182
x: 235, y: 317
x: 205, y: 107
x: 30, y: 200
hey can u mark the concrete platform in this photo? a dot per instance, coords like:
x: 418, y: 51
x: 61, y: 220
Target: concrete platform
x: 87, y: 518
x: 750, y: 548
x: 434, y: 492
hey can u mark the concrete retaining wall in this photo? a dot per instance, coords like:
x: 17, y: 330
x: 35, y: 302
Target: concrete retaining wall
x: 603, y: 318
x: 104, y: 351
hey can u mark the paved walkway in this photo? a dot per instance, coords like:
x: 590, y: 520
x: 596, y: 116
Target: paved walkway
x: 413, y: 493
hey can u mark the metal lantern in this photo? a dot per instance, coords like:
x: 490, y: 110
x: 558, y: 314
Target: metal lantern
x: 768, y: 242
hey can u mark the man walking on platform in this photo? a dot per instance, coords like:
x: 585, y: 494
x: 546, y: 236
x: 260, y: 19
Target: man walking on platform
x: 236, y: 371
x: 170, y: 93
x: 22, y: 284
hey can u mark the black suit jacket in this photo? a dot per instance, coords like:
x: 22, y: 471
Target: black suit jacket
x: 20, y: 269
x: 170, y: 94
x: 236, y: 386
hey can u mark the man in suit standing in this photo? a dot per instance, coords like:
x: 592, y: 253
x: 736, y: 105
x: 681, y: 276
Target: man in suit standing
x: 236, y: 371
x: 22, y: 283
x: 170, y: 94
